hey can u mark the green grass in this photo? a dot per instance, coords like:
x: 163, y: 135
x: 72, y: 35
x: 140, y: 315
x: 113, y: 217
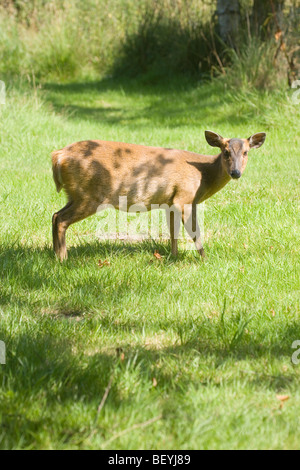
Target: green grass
x: 203, y: 347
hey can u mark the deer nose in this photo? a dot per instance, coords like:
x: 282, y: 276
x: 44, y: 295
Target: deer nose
x: 235, y: 174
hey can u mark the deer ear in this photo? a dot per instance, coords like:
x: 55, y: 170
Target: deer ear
x: 215, y: 140
x: 256, y: 140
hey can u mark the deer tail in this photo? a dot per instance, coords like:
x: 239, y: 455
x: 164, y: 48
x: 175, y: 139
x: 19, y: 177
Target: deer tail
x: 56, y: 170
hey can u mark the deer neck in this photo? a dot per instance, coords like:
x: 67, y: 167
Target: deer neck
x: 214, y: 177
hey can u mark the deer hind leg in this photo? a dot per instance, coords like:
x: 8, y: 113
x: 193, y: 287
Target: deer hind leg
x: 173, y: 221
x: 61, y: 220
x: 55, y: 229
x: 189, y: 219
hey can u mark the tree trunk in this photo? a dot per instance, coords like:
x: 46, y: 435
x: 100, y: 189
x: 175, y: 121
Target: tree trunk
x: 228, y: 12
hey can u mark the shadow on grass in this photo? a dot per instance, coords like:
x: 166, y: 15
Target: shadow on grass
x: 42, y: 361
x: 15, y: 256
x: 47, y: 365
x: 36, y: 269
x: 143, y: 86
x: 175, y: 102
x: 45, y: 358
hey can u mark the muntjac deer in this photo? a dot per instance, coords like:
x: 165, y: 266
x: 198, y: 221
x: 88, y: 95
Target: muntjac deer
x: 96, y: 173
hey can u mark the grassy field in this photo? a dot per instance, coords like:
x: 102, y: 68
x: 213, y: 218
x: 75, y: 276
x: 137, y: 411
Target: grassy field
x: 147, y: 353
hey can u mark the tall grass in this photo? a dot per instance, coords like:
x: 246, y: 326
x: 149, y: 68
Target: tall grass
x: 62, y: 40
x: 253, y: 66
x: 171, y: 37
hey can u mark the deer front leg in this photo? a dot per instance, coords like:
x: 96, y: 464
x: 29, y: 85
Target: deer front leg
x: 189, y: 219
x: 173, y: 221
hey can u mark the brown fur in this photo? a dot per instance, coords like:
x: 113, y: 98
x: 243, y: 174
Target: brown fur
x: 99, y: 172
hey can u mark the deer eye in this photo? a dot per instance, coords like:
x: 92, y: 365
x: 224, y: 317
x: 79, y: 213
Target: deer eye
x: 245, y: 153
x: 226, y: 153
